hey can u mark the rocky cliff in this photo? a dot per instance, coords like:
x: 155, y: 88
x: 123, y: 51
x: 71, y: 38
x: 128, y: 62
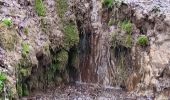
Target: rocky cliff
x: 45, y: 43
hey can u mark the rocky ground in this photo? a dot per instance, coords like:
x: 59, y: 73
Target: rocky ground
x: 88, y: 92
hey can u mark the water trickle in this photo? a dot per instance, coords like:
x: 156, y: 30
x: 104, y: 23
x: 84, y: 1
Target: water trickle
x: 95, y: 66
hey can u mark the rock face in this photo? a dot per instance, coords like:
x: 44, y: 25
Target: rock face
x: 95, y: 65
x: 126, y: 62
x: 148, y: 63
x: 34, y: 50
x: 50, y: 42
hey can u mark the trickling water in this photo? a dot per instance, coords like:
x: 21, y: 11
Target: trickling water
x: 95, y: 61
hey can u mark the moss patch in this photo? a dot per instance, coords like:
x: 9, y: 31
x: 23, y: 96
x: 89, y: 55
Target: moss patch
x: 142, y: 40
x: 71, y: 35
x: 2, y: 81
x: 126, y: 26
x: 108, y: 3
x: 7, y: 22
x: 60, y: 60
x: 23, y: 72
x: 25, y: 49
x: 39, y: 7
x: 8, y: 38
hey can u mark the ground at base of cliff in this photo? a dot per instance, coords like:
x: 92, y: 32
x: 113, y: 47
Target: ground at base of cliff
x: 88, y: 92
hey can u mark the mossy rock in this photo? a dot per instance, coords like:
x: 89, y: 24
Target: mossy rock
x: 143, y: 40
x: 7, y: 22
x: 23, y: 72
x: 39, y: 7
x: 71, y: 36
x: 25, y: 49
x: 60, y: 60
x: 8, y: 38
x: 126, y: 25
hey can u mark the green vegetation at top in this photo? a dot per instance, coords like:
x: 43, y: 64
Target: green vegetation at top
x: 126, y: 26
x: 39, y: 7
x: 142, y: 40
x: 7, y: 22
x: 25, y: 49
x: 71, y: 36
x: 108, y: 3
x: 2, y: 81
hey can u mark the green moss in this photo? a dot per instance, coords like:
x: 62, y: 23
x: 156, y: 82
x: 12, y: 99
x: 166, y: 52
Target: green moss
x: 25, y: 90
x: 2, y: 81
x: 60, y: 60
x: 19, y: 90
x: 126, y: 26
x: 23, y: 72
x: 71, y: 35
x: 142, y: 40
x: 108, y: 3
x: 25, y: 49
x: 61, y: 7
x: 39, y: 7
x: 7, y: 21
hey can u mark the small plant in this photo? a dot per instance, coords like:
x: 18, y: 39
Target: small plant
x: 7, y: 21
x: 143, y: 40
x: 108, y: 3
x: 25, y: 49
x: 2, y: 81
x: 71, y: 35
x: 126, y: 26
x: 39, y: 7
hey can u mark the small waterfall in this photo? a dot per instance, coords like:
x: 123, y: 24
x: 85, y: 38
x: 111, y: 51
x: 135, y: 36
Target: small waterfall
x: 95, y: 65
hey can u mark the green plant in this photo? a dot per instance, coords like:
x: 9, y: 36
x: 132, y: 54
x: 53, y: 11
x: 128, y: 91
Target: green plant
x: 2, y: 81
x: 71, y: 35
x: 126, y: 26
x: 25, y: 49
x: 142, y: 40
x: 39, y: 7
x: 108, y: 3
x: 7, y: 21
